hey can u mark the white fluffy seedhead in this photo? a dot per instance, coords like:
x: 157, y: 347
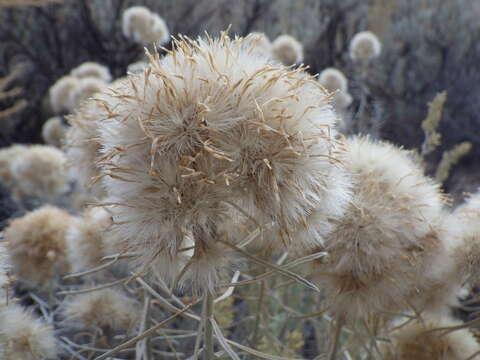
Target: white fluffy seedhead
x: 85, y: 244
x: 24, y: 337
x: 137, y: 67
x: 36, y: 245
x: 7, y: 156
x: 92, y: 69
x: 143, y: 26
x: 342, y: 100
x: 365, y: 46
x: 418, y: 340
x: 333, y: 79
x: 54, y: 131
x: 287, y: 50
x: 86, y: 88
x: 108, y: 309
x: 205, y: 127
x: 387, y: 247
x: 60, y: 94
x: 40, y: 172
x: 82, y: 147
x: 464, y: 225
x: 258, y: 44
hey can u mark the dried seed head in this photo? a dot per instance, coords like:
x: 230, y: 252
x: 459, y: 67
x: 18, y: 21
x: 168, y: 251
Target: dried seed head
x: 82, y: 147
x: 40, y: 172
x: 7, y: 156
x: 388, y: 244
x: 287, y: 50
x: 342, y: 100
x: 258, y: 44
x: 60, y: 94
x: 36, y: 244
x: 464, y: 225
x: 137, y: 67
x: 108, y: 309
x: 92, y: 69
x: 418, y: 340
x: 24, y: 337
x: 205, y: 127
x: 365, y: 46
x: 54, y: 131
x: 333, y: 79
x: 143, y: 26
x: 86, y: 88
x: 85, y: 245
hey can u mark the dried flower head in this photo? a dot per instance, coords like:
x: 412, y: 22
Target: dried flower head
x: 333, y: 79
x: 25, y: 337
x: 108, y: 309
x: 7, y: 156
x: 92, y: 69
x: 287, y: 50
x: 258, y: 44
x: 387, y: 246
x: 86, y: 88
x: 40, y: 172
x: 158, y: 32
x: 464, y: 225
x: 36, y: 244
x: 419, y: 340
x: 137, y: 67
x: 143, y: 26
x: 60, y: 94
x: 206, y: 127
x: 85, y: 245
x: 54, y: 131
x: 342, y: 100
x: 365, y: 46
x: 82, y: 147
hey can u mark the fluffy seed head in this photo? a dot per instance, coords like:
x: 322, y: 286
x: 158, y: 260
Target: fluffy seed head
x: 25, y: 337
x: 107, y: 309
x: 287, y: 50
x: 258, y: 44
x: 40, y: 172
x: 342, y: 100
x: 60, y: 94
x: 86, y: 88
x: 92, y: 69
x: 206, y: 127
x: 143, y: 26
x: 464, y: 225
x: 384, y: 247
x: 416, y: 340
x: 333, y: 79
x: 365, y: 45
x: 7, y: 156
x: 54, y: 131
x: 137, y: 67
x: 36, y: 244
x: 85, y: 245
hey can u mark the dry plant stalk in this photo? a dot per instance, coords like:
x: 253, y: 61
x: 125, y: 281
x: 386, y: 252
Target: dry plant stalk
x: 430, y: 124
x: 10, y: 93
x: 450, y: 158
